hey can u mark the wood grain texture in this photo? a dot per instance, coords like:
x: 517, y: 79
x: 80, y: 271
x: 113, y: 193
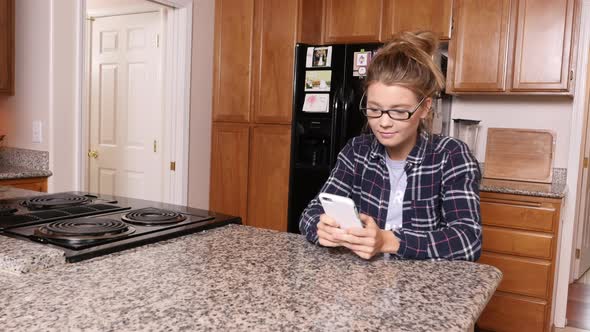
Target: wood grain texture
x: 7, y: 46
x: 578, y: 306
x: 478, y: 48
x: 507, y: 312
x: 229, y: 169
x: 543, y: 45
x: 268, y: 185
x: 515, y: 242
x: 411, y: 15
x: 352, y: 21
x: 34, y: 184
x: 519, y: 238
x: 232, y: 79
x: 311, y: 22
x: 520, y: 154
x: 275, y: 35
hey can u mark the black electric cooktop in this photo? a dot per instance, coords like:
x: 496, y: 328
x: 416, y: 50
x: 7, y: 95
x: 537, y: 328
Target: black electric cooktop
x: 84, y: 225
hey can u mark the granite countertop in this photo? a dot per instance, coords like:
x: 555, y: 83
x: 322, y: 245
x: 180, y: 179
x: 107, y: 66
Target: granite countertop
x: 10, y: 172
x: 557, y: 189
x: 240, y: 278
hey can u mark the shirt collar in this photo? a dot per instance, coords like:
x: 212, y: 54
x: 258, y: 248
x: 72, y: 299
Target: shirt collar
x: 416, y: 156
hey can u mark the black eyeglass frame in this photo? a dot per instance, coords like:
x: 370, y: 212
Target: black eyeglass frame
x: 363, y: 110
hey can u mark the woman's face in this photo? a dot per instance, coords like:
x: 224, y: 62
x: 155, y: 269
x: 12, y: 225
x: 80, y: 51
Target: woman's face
x: 398, y: 136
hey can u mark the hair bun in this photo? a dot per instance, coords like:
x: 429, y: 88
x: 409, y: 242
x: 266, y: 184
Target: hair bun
x: 426, y: 41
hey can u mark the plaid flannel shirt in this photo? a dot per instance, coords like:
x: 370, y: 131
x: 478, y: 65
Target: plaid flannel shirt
x: 441, y: 214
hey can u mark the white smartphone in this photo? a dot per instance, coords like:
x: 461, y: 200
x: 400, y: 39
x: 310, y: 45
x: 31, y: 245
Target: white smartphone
x: 341, y: 209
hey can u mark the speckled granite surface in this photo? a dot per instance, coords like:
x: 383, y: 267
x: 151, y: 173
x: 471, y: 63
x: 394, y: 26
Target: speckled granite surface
x: 238, y: 278
x: 556, y: 189
x: 17, y: 256
x: 21, y: 163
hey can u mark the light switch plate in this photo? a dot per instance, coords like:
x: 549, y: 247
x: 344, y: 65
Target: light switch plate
x: 37, y: 131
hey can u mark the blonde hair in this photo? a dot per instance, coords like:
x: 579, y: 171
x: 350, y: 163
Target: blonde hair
x: 407, y: 60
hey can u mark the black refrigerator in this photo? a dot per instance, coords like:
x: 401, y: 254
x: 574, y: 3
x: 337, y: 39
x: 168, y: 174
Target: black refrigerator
x: 327, y: 91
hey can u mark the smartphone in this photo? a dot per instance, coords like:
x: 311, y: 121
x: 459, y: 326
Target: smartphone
x: 341, y: 209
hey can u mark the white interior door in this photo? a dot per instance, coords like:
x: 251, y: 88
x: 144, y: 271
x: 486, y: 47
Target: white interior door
x: 582, y: 261
x: 125, y: 107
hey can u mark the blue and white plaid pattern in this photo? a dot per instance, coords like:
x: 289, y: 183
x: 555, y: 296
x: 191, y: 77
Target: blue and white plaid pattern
x: 441, y: 214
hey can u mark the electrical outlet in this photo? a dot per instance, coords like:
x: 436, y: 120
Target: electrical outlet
x: 37, y: 132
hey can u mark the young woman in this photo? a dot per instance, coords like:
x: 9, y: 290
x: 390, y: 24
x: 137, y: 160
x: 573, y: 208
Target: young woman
x: 417, y: 193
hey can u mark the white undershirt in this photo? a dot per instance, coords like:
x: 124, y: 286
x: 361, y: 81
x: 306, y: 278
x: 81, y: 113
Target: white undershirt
x: 398, y: 181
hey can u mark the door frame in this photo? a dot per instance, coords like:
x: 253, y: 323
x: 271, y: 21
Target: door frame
x: 570, y: 219
x: 176, y: 79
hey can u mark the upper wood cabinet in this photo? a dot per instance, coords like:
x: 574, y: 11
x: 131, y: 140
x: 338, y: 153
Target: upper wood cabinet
x: 268, y: 185
x: 347, y: 21
x: 232, y: 83
x: 512, y: 47
x: 542, y: 49
x: 254, y: 57
x: 479, y: 46
x: 412, y: 15
x: 7, y: 17
x: 229, y: 169
x: 275, y: 35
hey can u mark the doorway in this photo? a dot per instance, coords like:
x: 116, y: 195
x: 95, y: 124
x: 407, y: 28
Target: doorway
x: 136, y: 83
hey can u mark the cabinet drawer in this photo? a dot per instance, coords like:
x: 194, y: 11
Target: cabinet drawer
x: 518, y: 216
x: 506, y: 312
x: 525, y: 276
x: 523, y: 243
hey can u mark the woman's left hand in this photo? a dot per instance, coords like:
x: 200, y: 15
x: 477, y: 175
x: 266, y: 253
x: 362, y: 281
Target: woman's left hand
x: 368, y: 241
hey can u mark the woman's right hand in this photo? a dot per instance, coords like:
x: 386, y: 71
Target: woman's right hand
x: 327, y: 228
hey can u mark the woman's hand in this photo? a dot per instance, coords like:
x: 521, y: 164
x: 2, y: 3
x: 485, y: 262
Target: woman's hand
x: 327, y: 229
x: 368, y: 241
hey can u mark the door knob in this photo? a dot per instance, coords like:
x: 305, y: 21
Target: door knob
x: 93, y: 154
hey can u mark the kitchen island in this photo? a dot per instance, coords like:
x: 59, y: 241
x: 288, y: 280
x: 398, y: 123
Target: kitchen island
x: 238, y: 278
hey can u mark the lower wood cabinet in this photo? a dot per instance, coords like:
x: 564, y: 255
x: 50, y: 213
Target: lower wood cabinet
x: 519, y: 238
x: 34, y: 184
x: 250, y: 173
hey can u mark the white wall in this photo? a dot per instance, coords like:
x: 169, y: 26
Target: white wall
x: 532, y: 112
x: 31, y: 100
x: 104, y: 7
x: 201, y: 103
x: 63, y: 116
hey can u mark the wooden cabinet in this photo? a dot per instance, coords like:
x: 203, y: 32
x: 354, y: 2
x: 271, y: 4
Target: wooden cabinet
x: 229, y: 169
x: 520, y: 238
x: 411, y: 15
x: 541, y: 54
x: 274, y: 59
x: 349, y: 21
x: 252, y: 104
x: 34, y: 184
x: 512, y: 47
x: 268, y: 185
x: 7, y: 18
x: 232, y: 64
x: 479, y: 46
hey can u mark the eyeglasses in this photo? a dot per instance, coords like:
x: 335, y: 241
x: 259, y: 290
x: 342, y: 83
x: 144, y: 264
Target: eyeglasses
x: 400, y: 115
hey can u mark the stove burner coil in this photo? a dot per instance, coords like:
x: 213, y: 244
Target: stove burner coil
x: 55, y: 201
x: 84, y: 230
x: 153, y: 216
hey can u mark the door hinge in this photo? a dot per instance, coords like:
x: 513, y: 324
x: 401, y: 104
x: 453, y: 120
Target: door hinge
x: 585, y: 162
x: 577, y: 253
x: 158, y: 40
x: 571, y: 75
x: 173, y: 166
x: 155, y: 146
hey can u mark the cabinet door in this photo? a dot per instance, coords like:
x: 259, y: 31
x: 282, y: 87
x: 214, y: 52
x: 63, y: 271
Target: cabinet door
x: 275, y: 35
x: 7, y: 47
x: 543, y: 45
x: 268, y: 186
x: 478, y: 48
x: 411, y: 15
x: 234, y: 21
x: 353, y: 21
x: 229, y: 169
